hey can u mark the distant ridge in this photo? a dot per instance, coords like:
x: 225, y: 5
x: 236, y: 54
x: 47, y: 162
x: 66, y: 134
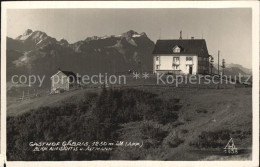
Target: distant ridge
x: 34, y: 52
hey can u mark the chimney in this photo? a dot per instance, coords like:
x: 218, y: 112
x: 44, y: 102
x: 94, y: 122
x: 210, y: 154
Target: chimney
x: 192, y: 37
x: 180, y: 34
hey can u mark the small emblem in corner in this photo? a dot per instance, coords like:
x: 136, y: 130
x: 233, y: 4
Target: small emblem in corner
x: 230, y: 147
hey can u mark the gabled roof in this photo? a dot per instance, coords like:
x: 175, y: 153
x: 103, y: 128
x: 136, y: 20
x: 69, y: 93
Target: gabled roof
x: 188, y: 46
x: 67, y: 73
x: 176, y: 46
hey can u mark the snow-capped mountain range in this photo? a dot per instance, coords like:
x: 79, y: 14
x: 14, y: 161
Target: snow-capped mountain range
x: 34, y: 52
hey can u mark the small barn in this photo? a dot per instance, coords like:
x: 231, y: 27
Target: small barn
x: 64, y: 81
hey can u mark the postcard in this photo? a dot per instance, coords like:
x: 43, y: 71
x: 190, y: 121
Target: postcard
x: 133, y: 83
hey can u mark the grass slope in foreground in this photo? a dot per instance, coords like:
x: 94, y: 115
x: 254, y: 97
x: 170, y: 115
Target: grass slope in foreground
x: 173, y: 124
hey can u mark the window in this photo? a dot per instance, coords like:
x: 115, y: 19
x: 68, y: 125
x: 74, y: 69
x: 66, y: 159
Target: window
x: 157, y: 67
x: 176, y: 67
x: 176, y: 49
x: 176, y: 59
x: 188, y: 58
x: 157, y: 58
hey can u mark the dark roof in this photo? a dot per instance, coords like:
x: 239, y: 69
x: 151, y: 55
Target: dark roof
x: 68, y: 73
x: 188, y: 46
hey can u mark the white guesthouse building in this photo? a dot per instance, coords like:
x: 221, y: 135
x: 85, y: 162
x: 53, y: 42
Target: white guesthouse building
x: 181, y: 56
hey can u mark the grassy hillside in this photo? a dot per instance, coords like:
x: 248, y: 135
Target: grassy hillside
x: 215, y: 114
x: 15, y: 107
x: 172, y: 124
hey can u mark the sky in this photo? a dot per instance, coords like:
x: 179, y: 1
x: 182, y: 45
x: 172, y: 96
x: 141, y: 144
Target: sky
x: 227, y: 30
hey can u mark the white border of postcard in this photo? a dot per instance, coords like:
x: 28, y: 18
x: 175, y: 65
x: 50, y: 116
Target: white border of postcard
x: 254, y: 5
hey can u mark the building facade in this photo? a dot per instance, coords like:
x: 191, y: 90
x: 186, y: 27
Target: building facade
x: 182, y: 56
x: 63, y: 81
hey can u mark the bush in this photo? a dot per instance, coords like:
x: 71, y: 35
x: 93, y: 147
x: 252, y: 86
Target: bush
x: 175, y: 100
x: 167, y: 116
x: 173, y: 140
x: 184, y: 131
x: 152, y: 133
x: 201, y: 110
x: 122, y: 106
x: 94, y: 117
x: 216, y: 139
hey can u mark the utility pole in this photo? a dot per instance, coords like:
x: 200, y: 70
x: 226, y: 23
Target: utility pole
x: 218, y: 61
x: 211, y: 63
x: 223, y: 65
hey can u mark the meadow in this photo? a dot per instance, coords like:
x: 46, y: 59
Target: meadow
x: 189, y: 123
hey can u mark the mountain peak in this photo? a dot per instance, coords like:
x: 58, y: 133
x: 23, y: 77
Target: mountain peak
x: 31, y: 34
x: 143, y: 34
x: 27, y: 32
x: 63, y: 41
x: 133, y: 34
x: 130, y: 33
x: 36, y: 39
x: 25, y: 35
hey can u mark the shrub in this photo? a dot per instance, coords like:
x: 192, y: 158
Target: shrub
x: 175, y: 100
x: 94, y: 117
x: 134, y: 105
x: 167, y: 116
x: 173, y: 140
x: 201, y: 110
x: 215, y: 139
x: 184, y: 131
x: 152, y: 133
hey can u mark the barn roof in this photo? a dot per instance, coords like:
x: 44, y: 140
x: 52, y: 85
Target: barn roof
x: 67, y: 73
x: 188, y: 46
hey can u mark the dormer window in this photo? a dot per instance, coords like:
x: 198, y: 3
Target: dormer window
x: 176, y: 49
